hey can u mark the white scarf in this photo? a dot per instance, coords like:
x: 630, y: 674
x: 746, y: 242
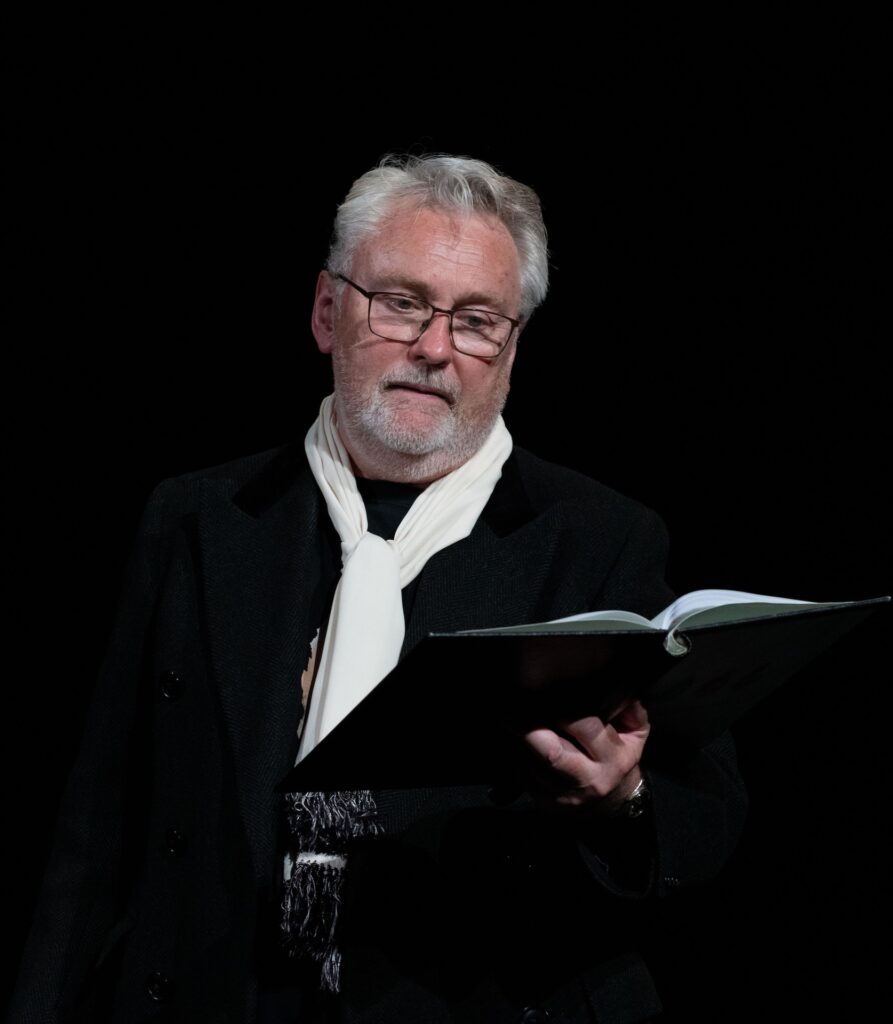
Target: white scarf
x: 366, y: 628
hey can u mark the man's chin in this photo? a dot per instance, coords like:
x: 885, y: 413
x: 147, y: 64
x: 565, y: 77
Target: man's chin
x: 417, y: 434
x: 413, y: 442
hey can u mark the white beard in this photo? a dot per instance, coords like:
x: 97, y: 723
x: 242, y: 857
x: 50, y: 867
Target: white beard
x: 405, y: 452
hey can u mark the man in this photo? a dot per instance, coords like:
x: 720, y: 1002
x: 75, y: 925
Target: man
x: 266, y: 596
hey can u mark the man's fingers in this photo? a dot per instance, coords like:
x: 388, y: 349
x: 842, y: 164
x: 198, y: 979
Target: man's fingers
x: 558, y: 753
x: 631, y: 717
x: 618, y: 743
x: 590, y: 733
x: 588, y: 752
x: 628, y: 713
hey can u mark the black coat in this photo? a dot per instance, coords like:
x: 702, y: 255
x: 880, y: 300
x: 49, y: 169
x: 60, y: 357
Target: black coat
x: 466, y: 911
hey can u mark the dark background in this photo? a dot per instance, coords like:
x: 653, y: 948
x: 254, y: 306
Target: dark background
x: 715, y: 344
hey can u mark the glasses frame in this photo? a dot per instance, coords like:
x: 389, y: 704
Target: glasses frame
x: 448, y: 312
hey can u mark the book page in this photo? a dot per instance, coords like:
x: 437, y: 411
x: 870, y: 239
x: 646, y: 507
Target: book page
x: 589, y: 621
x: 719, y: 606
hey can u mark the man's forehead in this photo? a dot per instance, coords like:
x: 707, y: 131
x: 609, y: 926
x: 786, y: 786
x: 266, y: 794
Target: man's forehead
x: 408, y: 242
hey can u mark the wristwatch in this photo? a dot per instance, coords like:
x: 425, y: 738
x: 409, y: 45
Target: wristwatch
x: 635, y: 804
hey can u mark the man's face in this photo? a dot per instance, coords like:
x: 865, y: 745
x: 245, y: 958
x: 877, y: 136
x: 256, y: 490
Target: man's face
x: 421, y: 405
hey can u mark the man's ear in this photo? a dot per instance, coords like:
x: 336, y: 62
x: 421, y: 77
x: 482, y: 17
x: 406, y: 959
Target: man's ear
x: 322, y: 320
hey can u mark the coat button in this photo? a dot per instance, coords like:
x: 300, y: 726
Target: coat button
x: 533, y: 1015
x: 158, y: 986
x: 174, y: 841
x: 171, y: 685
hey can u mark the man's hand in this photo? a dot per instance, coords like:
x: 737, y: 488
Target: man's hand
x: 590, y: 765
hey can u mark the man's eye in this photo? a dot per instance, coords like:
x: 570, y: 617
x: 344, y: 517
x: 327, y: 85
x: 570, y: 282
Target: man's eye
x: 473, y: 321
x: 401, y: 303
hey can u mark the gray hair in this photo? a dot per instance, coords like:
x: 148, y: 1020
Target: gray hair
x: 448, y: 183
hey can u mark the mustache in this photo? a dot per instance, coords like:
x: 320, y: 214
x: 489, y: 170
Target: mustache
x: 435, y: 380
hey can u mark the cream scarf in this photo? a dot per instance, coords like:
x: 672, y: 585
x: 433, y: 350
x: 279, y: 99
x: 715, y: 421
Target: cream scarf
x: 366, y: 627
x: 362, y: 644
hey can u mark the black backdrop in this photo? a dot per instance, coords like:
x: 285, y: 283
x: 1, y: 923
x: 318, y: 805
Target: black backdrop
x: 714, y: 344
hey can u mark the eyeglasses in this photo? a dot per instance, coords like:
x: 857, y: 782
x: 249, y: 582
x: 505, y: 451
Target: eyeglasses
x: 395, y: 317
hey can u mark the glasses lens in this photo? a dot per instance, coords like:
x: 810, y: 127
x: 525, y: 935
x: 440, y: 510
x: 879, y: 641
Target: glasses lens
x: 399, y: 317
x: 479, y: 332
x: 476, y: 332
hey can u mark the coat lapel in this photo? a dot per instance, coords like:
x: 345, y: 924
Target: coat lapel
x: 260, y: 560
x: 483, y: 580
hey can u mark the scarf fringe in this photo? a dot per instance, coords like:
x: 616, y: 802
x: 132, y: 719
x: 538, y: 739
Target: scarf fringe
x: 322, y: 824
x: 310, y: 916
x: 323, y: 821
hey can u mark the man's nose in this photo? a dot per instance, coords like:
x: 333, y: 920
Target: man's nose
x: 433, y: 345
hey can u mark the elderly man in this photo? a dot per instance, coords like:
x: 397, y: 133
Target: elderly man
x: 265, y: 597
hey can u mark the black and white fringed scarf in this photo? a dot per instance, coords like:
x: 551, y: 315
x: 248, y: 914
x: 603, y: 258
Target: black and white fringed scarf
x: 322, y: 824
x: 362, y: 644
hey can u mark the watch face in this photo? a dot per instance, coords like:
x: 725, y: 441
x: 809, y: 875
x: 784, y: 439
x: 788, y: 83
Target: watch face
x: 635, y: 805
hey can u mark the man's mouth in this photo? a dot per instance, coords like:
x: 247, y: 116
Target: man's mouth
x: 422, y: 389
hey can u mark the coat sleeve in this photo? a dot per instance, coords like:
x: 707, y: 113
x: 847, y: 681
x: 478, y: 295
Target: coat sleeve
x: 79, y: 911
x: 698, y: 798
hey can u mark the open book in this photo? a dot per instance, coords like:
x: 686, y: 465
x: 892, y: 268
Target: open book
x: 698, y: 609
x: 448, y: 713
